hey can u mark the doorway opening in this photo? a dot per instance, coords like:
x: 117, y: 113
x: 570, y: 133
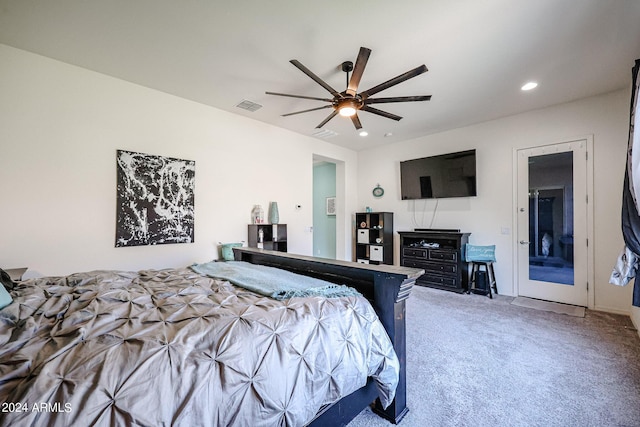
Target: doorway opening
x: 324, y: 209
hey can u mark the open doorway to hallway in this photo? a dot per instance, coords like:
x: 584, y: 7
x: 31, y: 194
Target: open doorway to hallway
x: 324, y: 209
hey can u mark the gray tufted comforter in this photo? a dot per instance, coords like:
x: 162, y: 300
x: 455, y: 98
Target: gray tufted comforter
x: 172, y: 347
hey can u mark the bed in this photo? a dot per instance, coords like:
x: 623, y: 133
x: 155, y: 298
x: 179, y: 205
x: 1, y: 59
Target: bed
x: 169, y: 347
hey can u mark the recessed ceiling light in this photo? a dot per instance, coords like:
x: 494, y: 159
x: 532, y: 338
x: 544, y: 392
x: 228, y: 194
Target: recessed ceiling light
x: 363, y: 133
x: 529, y: 86
x: 388, y: 134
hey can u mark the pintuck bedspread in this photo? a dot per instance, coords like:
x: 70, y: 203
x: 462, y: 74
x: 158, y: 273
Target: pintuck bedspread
x: 173, y: 347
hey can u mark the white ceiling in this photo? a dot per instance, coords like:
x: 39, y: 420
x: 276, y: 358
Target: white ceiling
x: 478, y: 52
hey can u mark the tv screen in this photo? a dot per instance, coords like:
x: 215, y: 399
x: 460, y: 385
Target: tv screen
x: 436, y: 177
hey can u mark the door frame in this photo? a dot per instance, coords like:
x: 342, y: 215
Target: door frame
x: 589, y: 210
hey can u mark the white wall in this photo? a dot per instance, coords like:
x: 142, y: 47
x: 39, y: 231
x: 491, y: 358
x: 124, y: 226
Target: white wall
x: 605, y: 118
x: 60, y: 127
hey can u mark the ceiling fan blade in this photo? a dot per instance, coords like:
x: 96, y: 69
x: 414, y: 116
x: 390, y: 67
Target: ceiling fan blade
x: 397, y: 99
x: 324, y: 122
x: 306, y: 111
x: 394, y: 81
x: 300, y: 96
x: 356, y: 121
x: 380, y: 113
x: 315, y: 78
x: 358, y: 69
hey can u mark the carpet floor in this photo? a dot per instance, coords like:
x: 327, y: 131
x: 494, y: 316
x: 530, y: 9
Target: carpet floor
x: 571, y: 310
x: 475, y: 361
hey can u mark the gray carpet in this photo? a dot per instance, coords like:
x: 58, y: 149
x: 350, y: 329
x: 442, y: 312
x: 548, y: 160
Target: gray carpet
x: 474, y: 361
x: 570, y: 310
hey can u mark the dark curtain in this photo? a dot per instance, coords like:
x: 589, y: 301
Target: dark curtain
x: 630, y: 217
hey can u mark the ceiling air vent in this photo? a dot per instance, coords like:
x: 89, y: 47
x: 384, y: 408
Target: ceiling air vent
x: 324, y: 133
x: 249, y: 105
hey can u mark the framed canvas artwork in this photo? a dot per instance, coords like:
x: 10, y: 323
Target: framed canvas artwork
x: 155, y: 200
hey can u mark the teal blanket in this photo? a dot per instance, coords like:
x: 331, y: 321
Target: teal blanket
x: 272, y: 282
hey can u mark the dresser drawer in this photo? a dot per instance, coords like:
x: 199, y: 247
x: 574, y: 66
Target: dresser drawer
x: 435, y: 279
x: 451, y: 256
x: 443, y: 268
x: 414, y: 253
x: 414, y: 263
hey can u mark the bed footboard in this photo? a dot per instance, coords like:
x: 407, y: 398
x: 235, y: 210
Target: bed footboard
x: 386, y: 287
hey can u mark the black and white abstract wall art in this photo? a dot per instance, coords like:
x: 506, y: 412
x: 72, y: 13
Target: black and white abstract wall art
x: 155, y: 200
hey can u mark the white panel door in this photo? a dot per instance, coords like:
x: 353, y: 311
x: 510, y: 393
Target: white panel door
x: 552, y: 223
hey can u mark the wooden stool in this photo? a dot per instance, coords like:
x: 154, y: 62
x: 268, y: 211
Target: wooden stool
x: 491, y: 276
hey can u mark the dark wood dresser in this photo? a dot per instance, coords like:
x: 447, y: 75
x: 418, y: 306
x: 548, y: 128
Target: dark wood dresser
x: 439, y: 254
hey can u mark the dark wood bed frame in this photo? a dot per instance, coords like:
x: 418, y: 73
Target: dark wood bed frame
x: 386, y: 287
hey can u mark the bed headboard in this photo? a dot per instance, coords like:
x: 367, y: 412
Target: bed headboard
x: 385, y: 286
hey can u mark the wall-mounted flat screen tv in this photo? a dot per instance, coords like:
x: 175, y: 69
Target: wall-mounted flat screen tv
x: 436, y: 177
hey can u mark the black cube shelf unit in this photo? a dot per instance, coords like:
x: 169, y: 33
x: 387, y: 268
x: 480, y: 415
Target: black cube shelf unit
x: 374, y: 238
x: 439, y: 253
x: 274, y: 236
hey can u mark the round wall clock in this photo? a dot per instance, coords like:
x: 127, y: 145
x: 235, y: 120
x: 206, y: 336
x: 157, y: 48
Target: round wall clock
x: 378, y: 191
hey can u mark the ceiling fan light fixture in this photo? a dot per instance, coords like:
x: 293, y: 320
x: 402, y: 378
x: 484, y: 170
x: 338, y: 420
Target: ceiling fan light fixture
x: 363, y: 133
x: 347, y: 107
x: 348, y: 102
x: 347, y: 111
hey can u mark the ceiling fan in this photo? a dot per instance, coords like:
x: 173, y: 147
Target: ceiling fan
x: 348, y: 102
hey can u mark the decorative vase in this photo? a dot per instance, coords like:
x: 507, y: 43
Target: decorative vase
x: 257, y: 215
x: 274, y: 216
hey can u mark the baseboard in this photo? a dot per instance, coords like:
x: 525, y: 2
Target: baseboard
x: 611, y: 310
x: 634, y: 315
